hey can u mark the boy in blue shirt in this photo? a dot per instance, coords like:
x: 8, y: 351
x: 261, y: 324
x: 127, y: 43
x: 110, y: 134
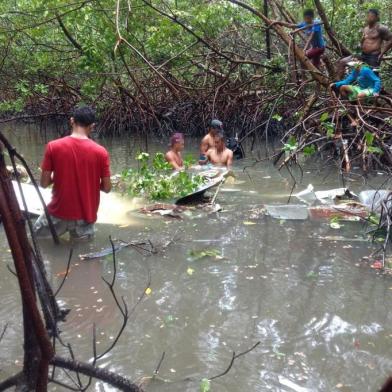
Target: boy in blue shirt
x: 315, y: 44
x: 362, y: 82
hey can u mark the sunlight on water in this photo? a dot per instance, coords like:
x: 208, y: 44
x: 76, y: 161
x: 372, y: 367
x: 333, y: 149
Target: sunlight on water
x: 115, y: 209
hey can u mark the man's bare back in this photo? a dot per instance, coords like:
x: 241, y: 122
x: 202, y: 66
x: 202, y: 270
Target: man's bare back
x: 373, y: 38
x: 220, y: 158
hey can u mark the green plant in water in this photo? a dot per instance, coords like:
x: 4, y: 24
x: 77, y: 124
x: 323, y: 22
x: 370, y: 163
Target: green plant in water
x: 291, y: 144
x: 329, y: 128
x: 201, y: 254
x: 154, y: 179
x: 189, y: 160
x: 205, y: 385
x: 373, y: 219
x: 369, y: 139
x: 309, y: 150
x: 334, y: 222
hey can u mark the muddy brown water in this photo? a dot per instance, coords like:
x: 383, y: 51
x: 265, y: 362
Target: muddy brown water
x: 322, y: 317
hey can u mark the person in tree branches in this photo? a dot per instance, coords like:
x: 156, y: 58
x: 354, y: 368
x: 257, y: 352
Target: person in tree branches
x: 219, y: 155
x: 208, y: 140
x: 362, y: 82
x: 173, y: 156
x: 375, y: 42
x: 79, y: 169
x: 315, y: 44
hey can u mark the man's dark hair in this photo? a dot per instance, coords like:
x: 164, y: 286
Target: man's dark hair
x: 84, y: 116
x: 216, y: 124
x: 375, y: 12
x: 309, y: 12
x: 220, y: 135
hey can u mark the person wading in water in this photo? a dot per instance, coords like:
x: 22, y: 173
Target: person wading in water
x: 375, y: 42
x: 173, y: 156
x: 208, y: 140
x: 219, y: 155
x: 79, y: 169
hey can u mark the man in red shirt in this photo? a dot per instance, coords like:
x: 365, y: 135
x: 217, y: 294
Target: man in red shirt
x: 79, y: 169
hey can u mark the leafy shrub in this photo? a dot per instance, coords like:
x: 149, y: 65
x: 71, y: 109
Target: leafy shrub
x: 154, y: 179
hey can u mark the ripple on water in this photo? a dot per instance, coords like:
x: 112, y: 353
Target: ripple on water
x: 320, y: 320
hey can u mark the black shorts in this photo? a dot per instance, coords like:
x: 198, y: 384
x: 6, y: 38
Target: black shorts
x: 371, y: 59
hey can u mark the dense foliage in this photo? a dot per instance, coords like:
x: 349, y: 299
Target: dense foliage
x: 156, y: 180
x: 154, y: 65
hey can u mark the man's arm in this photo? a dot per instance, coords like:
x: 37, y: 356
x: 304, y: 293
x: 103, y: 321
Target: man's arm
x: 205, y: 161
x: 386, y: 35
x: 352, y: 77
x: 204, y: 145
x: 387, y: 48
x: 46, y: 178
x: 170, y: 159
x: 376, y: 81
x: 47, y: 167
x: 106, y: 184
x: 229, y: 161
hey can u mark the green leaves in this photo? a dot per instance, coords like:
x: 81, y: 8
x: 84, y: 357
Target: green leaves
x: 309, y: 150
x: 143, y: 157
x: 205, y: 385
x: 189, y: 161
x: 201, y: 254
x: 159, y: 162
x: 156, y: 180
x: 324, y: 117
x: 41, y: 88
x: 375, y: 150
x: 334, y: 223
x: 327, y: 126
x: 329, y: 129
x: 291, y: 144
x: 312, y: 275
x: 369, y: 140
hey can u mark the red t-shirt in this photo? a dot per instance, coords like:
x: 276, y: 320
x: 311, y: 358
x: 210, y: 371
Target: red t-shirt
x: 78, y: 165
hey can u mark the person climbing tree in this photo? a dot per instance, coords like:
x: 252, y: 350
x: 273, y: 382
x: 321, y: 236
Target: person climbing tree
x: 376, y: 41
x: 315, y: 44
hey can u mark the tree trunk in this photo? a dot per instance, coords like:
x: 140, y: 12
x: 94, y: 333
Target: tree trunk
x: 37, y: 347
x: 299, y: 53
x: 342, y: 50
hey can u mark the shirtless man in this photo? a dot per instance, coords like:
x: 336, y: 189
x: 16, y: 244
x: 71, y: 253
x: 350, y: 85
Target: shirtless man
x: 208, y: 140
x: 375, y: 42
x: 173, y: 156
x: 220, y: 155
